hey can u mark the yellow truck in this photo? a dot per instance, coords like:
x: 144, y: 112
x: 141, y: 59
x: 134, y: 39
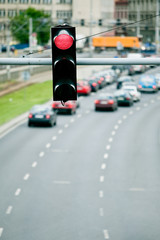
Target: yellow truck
x: 102, y: 43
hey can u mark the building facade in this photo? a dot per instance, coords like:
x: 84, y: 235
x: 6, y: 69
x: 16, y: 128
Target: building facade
x: 88, y: 16
x: 143, y: 9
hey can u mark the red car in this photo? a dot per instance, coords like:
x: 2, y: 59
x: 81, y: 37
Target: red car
x: 83, y: 87
x: 68, y: 107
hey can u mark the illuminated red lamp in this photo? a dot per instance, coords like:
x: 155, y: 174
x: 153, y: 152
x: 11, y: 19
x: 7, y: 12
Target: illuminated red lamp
x: 63, y: 41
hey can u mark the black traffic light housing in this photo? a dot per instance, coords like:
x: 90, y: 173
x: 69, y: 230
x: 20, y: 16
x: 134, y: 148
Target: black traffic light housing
x: 64, y: 63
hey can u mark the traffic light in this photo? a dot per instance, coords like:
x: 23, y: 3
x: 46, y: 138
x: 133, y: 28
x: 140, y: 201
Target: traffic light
x: 82, y: 22
x: 64, y: 63
x: 100, y: 22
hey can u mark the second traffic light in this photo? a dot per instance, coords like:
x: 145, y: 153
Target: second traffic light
x: 64, y: 63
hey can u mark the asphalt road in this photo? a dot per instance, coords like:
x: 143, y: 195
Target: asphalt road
x: 96, y: 175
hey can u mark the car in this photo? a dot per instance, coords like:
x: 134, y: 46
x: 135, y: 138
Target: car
x: 123, y: 98
x: 68, y: 107
x: 83, y: 87
x: 106, y: 101
x: 93, y: 84
x: 147, y: 83
x: 130, y: 69
x: 157, y: 76
x: 42, y: 114
x: 123, y: 79
x: 132, y: 89
x: 137, y: 68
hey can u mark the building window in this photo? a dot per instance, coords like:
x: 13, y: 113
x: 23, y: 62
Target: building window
x: 64, y: 14
x: 2, y: 13
x: 47, y: 1
x: 64, y: 1
x: 24, y: 1
x: 12, y: 13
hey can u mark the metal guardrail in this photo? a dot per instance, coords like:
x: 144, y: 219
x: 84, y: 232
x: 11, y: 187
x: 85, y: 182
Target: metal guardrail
x: 82, y: 61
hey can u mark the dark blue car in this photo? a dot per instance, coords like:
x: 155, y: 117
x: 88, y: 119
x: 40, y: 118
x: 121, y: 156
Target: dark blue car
x: 147, y: 83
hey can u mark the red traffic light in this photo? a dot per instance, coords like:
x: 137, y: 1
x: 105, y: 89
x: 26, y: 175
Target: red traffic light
x: 63, y: 41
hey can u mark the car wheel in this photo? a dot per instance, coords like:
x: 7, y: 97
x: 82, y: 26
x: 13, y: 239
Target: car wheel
x: 29, y: 124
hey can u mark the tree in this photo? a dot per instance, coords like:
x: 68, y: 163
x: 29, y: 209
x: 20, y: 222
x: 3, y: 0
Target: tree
x: 19, y: 26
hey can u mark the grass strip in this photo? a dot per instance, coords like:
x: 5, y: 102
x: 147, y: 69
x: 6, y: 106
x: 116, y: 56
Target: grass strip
x: 19, y: 102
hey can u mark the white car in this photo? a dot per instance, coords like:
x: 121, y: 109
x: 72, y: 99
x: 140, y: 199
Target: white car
x: 137, y: 68
x: 133, y: 91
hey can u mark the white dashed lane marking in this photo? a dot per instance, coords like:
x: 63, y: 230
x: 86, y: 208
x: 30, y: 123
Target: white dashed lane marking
x: 48, y: 145
x: 26, y: 177
x: 72, y: 120
x: 60, y: 131
x: 54, y: 138
x: 108, y: 147
x: 119, y: 121
x: 41, y: 154
x: 101, y: 212
x: 106, y: 235
x: 113, y: 133
x: 116, y: 127
x: 103, y: 166
x: 66, y: 125
x: 9, y: 210
x: 101, y: 194
x: 125, y: 116
x: 18, y: 191
x: 110, y: 140
x: 105, y: 155
x: 101, y: 179
x: 34, y: 164
x: 1, y: 231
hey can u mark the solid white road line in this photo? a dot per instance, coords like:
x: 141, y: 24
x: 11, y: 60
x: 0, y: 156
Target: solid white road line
x: 26, y: 176
x: 18, y: 191
x: 9, y: 210
x: 1, y: 231
x: 106, y: 235
x: 34, y: 164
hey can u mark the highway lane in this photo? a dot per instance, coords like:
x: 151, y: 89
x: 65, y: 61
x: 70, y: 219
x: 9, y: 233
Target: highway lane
x: 57, y: 184
x: 131, y: 189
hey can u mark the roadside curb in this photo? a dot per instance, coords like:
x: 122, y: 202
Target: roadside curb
x: 11, y: 125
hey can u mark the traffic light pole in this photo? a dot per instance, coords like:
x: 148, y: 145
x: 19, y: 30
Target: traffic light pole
x: 82, y: 61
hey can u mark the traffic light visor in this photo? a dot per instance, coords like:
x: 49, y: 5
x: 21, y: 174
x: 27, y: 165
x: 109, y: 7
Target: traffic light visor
x: 63, y: 41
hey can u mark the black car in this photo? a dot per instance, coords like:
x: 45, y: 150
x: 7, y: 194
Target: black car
x: 42, y: 114
x: 123, y: 98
